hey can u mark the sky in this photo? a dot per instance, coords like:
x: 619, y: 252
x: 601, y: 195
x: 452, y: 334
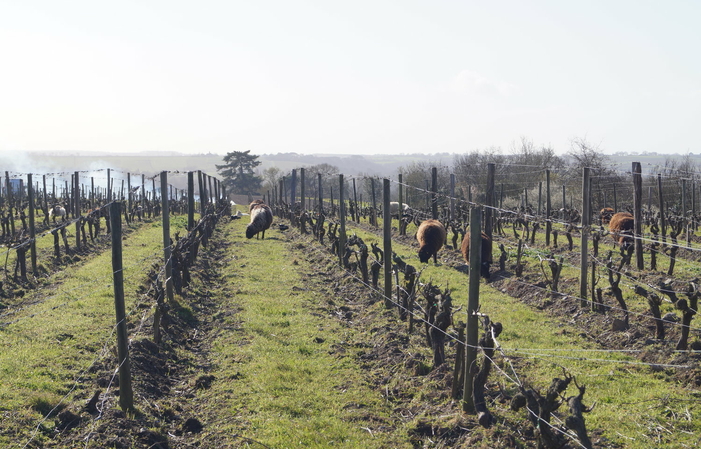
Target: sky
x: 360, y: 77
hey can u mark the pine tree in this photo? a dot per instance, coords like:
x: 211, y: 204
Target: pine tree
x: 238, y: 173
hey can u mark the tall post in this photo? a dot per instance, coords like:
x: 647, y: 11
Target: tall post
x: 190, y: 201
x: 293, y: 188
x: 109, y: 186
x: 638, y: 214
x: 167, y: 250
x: 130, y: 196
x: 472, y: 333
x: 693, y: 203
x: 540, y: 196
x: 10, y: 203
x: 586, y: 218
x: 452, y: 197
x: 434, y: 190
x: 32, y: 230
x: 663, y: 223
x: 143, y: 195
x: 400, y: 188
x: 564, y: 197
x: 548, y: 211
x: 684, y: 198
x: 321, y: 195
x: 342, y: 212
x: 92, y: 192
x: 374, y: 203
x: 76, y: 207
x: 46, y: 194
x: 126, y: 394
x: 501, y: 196
x: 387, y: 227
x: 202, y: 195
x: 615, y: 199
x: 301, y: 187
x: 355, y: 202
x: 489, y: 210
x: 282, y: 197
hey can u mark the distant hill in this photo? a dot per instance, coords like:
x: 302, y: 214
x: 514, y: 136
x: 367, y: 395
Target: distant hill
x: 150, y: 164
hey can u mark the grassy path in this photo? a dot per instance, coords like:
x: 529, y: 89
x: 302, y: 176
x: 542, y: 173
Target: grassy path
x: 280, y: 381
x: 66, y: 329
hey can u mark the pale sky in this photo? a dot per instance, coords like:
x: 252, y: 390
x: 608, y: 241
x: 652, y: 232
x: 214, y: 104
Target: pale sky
x: 351, y: 77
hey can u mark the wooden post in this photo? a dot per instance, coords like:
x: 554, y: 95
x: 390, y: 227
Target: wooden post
x: 540, y: 196
x: 387, y: 227
x: 548, y: 211
x: 638, y: 214
x: 373, y: 217
x: 130, y: 196
x: 693, y: 203
x: 10, y: 203
x: 434, y: 191
x: 472, y: 333
x: 203, y: 206
x: 109, y: 186
x: 92, y: 192
x: 301, y: 187
x: 293, y: 188
x: 46, y: 200
x: 564, y: 197
x: 615, y: 199
x: 501, y: 195
x: 143, y: 195
x: 342, y: 212
x: 355, y: 203
x: 400, y: 188
x: 167, y: 250
x: 452, y: 197
x: 321, y: 195
x: 489, y: 210
x: 586, y: 218
x: 76, y: 208
x: 190, y: 201
x: 153, y: 192
x: 663, y: 224
x: 32, y: 230
x: 684, y: 198
x: 126, y: 394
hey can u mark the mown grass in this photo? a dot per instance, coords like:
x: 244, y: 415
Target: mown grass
x: 68, y: 326
x: 285, y: 386
x: 636, y: 404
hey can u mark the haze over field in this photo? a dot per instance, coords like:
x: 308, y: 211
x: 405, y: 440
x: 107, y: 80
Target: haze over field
x: 363, y: 77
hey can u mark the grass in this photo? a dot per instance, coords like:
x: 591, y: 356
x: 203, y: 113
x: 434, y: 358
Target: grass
x: 280, y: 378
x: 288, y: 389
x: 635, y: 403
x: 68, y: 327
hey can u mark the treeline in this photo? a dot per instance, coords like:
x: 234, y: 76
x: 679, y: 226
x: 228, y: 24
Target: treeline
x: 519, y: 179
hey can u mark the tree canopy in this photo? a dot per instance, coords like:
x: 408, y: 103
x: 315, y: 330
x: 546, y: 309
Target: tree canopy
x: 238, y: 172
